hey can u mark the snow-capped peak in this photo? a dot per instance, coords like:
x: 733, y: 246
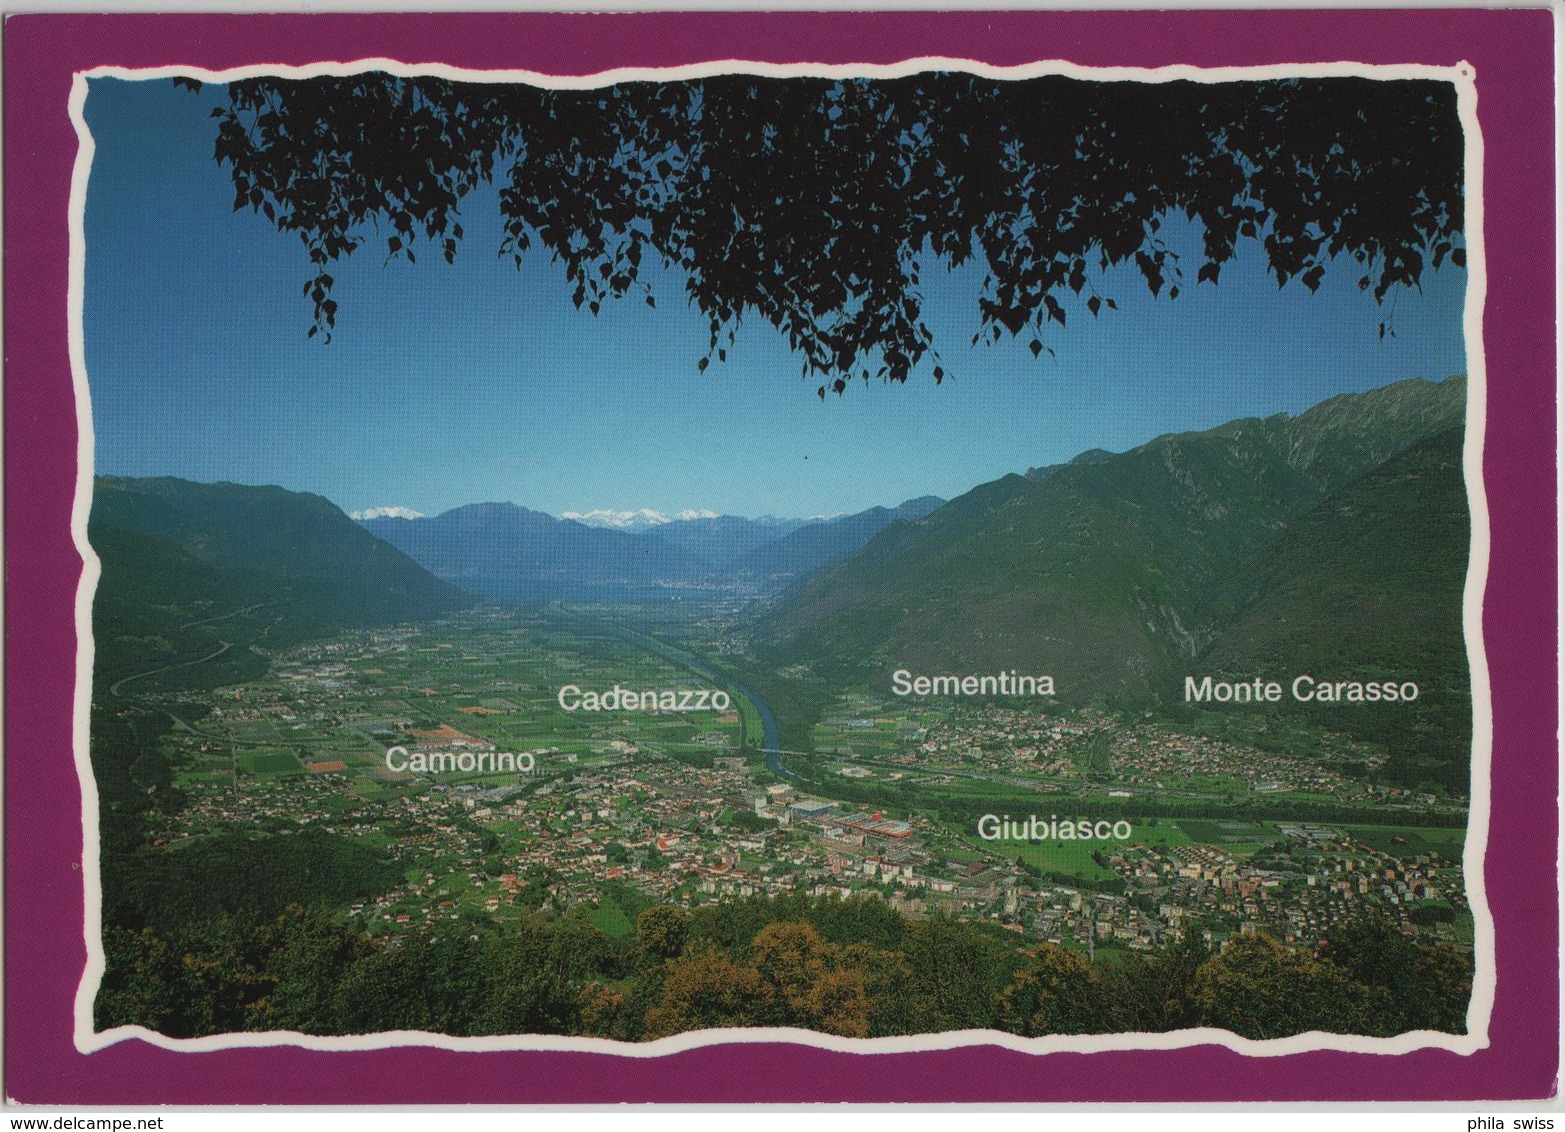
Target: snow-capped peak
x: 386, y: 513
x: 640, y: 520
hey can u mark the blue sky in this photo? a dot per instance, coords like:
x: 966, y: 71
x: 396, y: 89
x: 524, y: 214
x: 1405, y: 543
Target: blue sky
x: 447, y: 385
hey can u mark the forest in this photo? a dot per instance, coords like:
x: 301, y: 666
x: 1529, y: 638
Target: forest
x: 853, y: 968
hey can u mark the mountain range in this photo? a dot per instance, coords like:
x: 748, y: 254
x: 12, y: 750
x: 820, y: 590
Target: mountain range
x: 1332, y: 543
x: 1334, y: 540
x: 504, y: 551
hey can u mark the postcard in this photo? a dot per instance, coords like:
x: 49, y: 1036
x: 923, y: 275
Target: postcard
x: 908, y: 550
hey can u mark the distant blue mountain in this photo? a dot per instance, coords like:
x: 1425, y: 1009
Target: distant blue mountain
x: 505, y: 551
x: 721, y: 541
x: 815, y: 545
x: 502, y: 550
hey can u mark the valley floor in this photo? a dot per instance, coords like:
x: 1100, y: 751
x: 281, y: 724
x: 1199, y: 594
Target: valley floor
x: 1209, y: 829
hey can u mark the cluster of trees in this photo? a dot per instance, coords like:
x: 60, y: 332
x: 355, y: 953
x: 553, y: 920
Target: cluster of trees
x: 242, y: 870
x: 854, y: 968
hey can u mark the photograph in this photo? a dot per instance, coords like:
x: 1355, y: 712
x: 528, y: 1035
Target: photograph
x: 844, y: 557
x: 887, y: 556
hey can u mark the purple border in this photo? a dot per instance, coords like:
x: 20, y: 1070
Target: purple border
x: 1512, y: 51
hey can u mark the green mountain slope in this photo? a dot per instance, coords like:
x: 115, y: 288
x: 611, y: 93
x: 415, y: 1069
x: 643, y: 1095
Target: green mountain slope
x: 189, y: 567
x: 1367, y: 586
x: 820, y: 543
x: 1099, y: 572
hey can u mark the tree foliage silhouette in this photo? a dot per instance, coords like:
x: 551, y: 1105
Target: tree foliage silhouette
x: 815, y: 204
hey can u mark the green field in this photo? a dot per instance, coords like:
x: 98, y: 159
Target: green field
x: 610, y: 919
x: 752, y: 732
x: 1075, y: 857
x: 1228, y: 834
x: 1165, y: 832
x: 1072, y: 857
x: 1410, y: 841
x: 269, y: 762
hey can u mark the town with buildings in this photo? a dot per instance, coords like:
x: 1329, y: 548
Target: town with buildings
x: 615, y: 810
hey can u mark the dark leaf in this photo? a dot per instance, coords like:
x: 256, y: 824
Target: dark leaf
x: 1151, y: 270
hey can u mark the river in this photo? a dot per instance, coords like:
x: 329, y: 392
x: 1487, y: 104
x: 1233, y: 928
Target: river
x: 771, y: 734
